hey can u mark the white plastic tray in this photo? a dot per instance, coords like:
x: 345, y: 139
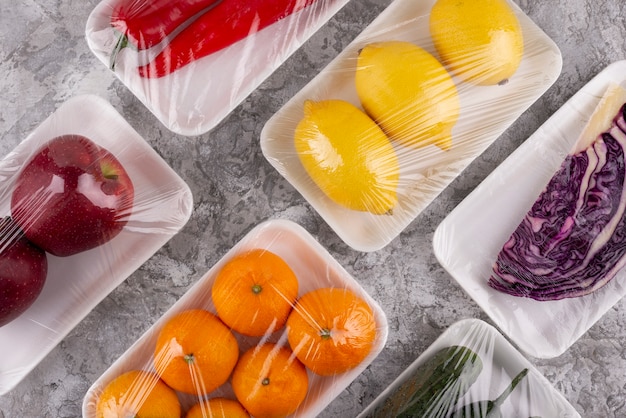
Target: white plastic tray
x: 486, y: 111
x: 313, y: 266
x: 76, y: 284
x: 534, y: 396
x: 469, y: 239
x: 192, y: 100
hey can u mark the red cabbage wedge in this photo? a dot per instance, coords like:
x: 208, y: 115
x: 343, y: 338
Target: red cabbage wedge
x: 573, y: 239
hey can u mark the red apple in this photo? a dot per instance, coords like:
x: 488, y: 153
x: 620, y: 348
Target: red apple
x: 23, y: 269
x: 72, y: 196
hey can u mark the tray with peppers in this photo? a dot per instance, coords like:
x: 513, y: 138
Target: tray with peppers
x: 471, y: 370
x: 192, y: 61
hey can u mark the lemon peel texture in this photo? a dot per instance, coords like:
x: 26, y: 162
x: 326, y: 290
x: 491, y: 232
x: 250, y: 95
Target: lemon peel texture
x: 480, y: 41
x: 348, y: 156
x: 408, y: 92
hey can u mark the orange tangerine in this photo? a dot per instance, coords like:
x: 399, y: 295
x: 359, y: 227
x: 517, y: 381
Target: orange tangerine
x: 331, y: 330
x: 217, y: 408
x: 138, y: 394
x: 270, y: 381
x: 254, y: 292
x: 195, y: 352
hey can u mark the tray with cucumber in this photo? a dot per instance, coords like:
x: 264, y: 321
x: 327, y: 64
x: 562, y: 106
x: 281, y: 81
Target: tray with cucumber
x: 470, y: 371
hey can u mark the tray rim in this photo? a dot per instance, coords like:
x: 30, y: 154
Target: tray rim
x: 592, y: 89
x: 16, y: 373
x: 447, y: 338
x: 278, y: 226
x: 326, y: 208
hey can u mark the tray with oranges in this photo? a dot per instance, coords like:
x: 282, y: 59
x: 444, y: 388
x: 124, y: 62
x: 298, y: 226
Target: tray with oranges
x: 276, y: 328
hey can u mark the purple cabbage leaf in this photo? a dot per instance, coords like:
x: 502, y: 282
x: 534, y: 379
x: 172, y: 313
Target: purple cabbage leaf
x: 573, y: 239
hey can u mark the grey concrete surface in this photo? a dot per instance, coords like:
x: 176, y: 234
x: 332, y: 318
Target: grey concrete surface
x: 45, y: 60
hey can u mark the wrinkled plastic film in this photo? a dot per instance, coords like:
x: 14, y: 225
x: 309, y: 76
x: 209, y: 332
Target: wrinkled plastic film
x: 92, y: 201
x: 536, y: 248
x: 470, y: 370
x: 434, y: 118
x: 568, y: 244
x: 275, y: 328
x: 192, y: 62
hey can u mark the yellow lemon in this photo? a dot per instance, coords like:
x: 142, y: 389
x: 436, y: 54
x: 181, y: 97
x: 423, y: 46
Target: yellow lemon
x: 479, y: 40
x: 348, y: 156
x: 408, y: 93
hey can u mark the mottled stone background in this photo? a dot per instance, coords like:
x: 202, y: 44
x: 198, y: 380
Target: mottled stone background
x: 45, y: 60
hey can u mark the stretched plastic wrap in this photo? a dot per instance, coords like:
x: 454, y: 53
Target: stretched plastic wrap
x: 192, y: 61
x: 471, y: 370
x: 420, y: 93
x: 84, y: 202
x: 538, y: 244
x: 276, y: 328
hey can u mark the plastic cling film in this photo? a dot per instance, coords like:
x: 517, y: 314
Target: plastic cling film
x: 421, y: 111
x: 275, y: 328
x: 143, y: 24
x: 408, y: 92
x: 138, y: 393
x: 570, y: 242
x: 348, y: 156
x: 331, y: 330
x: 71, y: 196
x: 471, y: 370
x: 223, y: 25
x: 539, y: 249
x: 192, y: 61
x: 480, y: 41
x: 23, y: 270
x: 84, y: 201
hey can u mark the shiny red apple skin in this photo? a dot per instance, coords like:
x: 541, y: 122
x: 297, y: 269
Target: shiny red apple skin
x: 23, y: 270
x: 72, y: 196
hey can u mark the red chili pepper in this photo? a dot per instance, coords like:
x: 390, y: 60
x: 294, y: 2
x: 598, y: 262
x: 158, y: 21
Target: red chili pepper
x: 145, y: 23
x: 228, y: 22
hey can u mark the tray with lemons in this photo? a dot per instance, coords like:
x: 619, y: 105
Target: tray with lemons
x: 395, y: 117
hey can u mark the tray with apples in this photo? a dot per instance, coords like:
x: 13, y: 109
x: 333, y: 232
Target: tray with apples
x: 84, y: 201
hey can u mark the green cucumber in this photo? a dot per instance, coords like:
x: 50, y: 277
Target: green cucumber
x: 489, y: 408
x: 435, y: 387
